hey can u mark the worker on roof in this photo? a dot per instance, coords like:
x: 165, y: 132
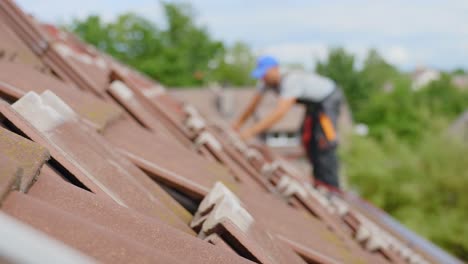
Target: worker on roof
x: 322, y: 100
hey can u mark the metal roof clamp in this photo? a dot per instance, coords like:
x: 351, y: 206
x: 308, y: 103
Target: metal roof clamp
x: 208, y: 139
x: 63, y: 50
x: 193, y: 121
x: 266, y: 171
x: 240, y: 145
x: 269, y: 168
x: 122, y: 90
x: 289, y: 187
x: 236, y: 141
x: 101, y: 63
x: 84, y: 58
x: 252, y: 154
x: 195, y: 124
x: 220, y: 205
x: 227, y: 210
x: 416, y: 259
x: 41, y: 47
x: 320, y: 198
x: 373, y: 237
x: 154, y: 91
x: 404, y: 251
x: 191, y: 111
x: 376, y: 242
x: 362, y: 233
x: 370, y: 237
x: 342, y: 208
x: 45, y: 112
x: 407, y: 254
x: 395, y: 245
x: 295, y: 188
x: 219, y: 190
x: 283, y: 183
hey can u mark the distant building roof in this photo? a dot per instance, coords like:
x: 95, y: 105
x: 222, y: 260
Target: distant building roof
x: 460, y: 81
x: 227, y: 104
x: 423, y: 76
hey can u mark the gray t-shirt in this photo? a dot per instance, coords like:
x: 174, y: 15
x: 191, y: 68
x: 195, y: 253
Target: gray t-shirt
x: 304, y: 86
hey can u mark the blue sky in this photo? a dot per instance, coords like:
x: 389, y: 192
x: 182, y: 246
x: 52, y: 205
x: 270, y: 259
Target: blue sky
x: 407, y: 33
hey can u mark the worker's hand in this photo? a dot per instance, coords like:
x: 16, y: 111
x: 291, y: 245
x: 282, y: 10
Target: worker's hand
x: 236, y: 127
x: 246, y: 135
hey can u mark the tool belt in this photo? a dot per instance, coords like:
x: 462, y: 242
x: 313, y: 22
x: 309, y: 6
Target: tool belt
x: 318, y: 128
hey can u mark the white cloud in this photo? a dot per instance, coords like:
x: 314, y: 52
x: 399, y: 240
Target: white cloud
x: 304, y: 53
x: 309, y: 53
x: 391, y: 18
x: 54, y: 11
x: 405, y: 32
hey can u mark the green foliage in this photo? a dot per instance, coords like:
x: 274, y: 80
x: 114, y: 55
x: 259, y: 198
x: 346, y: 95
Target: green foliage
x: 340, y: 67
x: 233, y: 67
x: 187, y: 48
x: 459, y: 71
x: 381, y: 97
x: 405, y: 166
x: 180, y: 54
x: 395, y: 111
x: 376, y: 71
x: 423, y: 185
x: 441, y: 97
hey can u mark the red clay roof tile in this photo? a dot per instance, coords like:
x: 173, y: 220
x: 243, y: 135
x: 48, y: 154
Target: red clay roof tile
x: 128, y: 216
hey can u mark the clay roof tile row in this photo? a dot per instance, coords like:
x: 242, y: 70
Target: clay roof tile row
x: 101, y: 164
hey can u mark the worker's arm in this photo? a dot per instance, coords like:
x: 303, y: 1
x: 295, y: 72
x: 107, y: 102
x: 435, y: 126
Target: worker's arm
x: 282, y: 107
x: 249, y: 110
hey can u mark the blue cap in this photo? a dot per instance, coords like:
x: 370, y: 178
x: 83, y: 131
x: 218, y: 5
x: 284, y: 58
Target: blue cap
x: 263, y: 65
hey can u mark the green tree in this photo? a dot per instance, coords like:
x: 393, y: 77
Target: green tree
x: 233, y: 67
x: 180, y: 54
x: 340, y: 67
x: 423, y: 185
x: 92, y: 30
x: 459, y: 71
x: 187, y: 48
x: 442, y: 98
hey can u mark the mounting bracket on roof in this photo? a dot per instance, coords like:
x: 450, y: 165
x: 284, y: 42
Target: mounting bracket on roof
x: 269, y: 168
x: 121, y: 89
x: 44, y: 112
x: 208, y: 138
x: 67, y: 52
x: 191, y: 110
x: 342, y: 208
x: 154, y: 91
x: 375, y: 238
x: 41, y: 47
x: 252, y: 153
x: 289, y: 187
x: 195, y: 123
x: 320, y: 198
x: 219, y: 205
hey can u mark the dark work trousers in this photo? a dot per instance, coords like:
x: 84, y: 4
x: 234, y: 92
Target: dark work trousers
x: 321, y: 151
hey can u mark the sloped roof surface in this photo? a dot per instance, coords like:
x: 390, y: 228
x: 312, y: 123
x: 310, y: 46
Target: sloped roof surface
x: 98, y: 163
